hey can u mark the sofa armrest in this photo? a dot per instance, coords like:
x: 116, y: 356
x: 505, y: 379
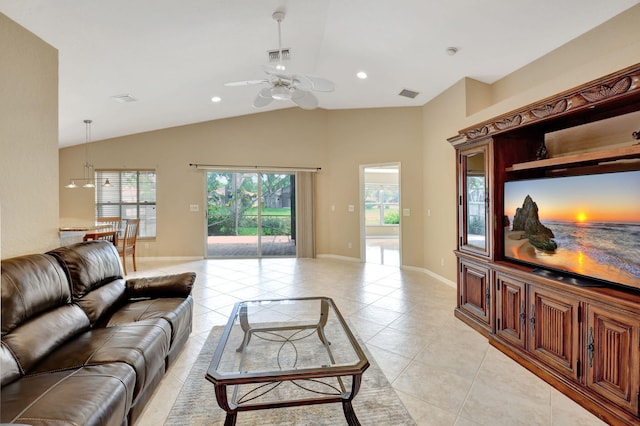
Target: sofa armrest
x: 178, y: 285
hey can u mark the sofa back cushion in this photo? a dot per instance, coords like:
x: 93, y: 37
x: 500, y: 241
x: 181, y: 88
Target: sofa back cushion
x: 94, y: 270
x: 31, y: 285
x: 89, y: 265
x: 37, y: 314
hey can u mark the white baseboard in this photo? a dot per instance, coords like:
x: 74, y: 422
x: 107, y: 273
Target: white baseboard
x: 169, y: 258
x: 431, y: 274
x: 336, y: 257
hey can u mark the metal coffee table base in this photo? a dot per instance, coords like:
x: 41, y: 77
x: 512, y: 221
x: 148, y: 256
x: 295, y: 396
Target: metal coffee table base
x: 232, y: 414
x: 328, y: 378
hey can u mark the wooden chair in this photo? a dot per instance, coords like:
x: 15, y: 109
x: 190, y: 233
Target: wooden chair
x: 128, y: 245
x: 114, y: 223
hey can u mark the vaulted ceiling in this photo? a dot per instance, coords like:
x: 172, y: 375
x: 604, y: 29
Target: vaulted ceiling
x: 174, y: 56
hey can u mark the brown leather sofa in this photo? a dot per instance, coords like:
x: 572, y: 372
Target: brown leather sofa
x: 80, y: 344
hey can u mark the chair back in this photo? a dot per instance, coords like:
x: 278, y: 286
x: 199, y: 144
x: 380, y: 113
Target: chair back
x: 113, y: 221
x: 130, y: 233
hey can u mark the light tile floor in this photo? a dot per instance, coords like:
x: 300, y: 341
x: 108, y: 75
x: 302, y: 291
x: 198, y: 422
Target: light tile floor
x: 444, y: 372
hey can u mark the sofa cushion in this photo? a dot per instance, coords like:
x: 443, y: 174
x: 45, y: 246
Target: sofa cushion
x: 34, y: 340
x: 177, y: 285
x: 143, y: 345
x: 31, y: 284
x: 100, y: 302
x: 177, y: 311
x: 91, y: 395
x: 88, y: 265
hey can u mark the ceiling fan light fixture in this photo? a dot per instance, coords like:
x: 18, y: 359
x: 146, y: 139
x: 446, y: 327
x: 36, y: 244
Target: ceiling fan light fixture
x: 280, y: 93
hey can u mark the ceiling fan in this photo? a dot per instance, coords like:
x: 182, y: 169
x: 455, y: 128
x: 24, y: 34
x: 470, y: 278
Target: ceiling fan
x: 282, y: 86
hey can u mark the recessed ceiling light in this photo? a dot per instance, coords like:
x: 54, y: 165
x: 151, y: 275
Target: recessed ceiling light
x: 361, y: 75
x: 216, y: 99
x: 124, y: 98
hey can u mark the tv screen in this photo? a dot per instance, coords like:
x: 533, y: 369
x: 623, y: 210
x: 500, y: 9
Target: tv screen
x: 586, y: 226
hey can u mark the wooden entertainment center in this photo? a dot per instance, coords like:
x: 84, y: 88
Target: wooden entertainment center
x: 583, y: 340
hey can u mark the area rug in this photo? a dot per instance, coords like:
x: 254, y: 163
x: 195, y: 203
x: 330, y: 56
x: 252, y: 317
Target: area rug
x: 376, y: 402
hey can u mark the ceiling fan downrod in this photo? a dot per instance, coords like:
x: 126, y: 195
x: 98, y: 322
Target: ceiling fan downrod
x: 278, y: 16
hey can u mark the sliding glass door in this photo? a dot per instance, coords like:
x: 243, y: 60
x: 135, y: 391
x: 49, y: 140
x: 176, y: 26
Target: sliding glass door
x: 250, y: 214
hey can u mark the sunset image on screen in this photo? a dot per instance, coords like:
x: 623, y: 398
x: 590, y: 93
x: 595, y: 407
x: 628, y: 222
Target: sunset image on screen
x: 587, y: 225
x: 613, y: 197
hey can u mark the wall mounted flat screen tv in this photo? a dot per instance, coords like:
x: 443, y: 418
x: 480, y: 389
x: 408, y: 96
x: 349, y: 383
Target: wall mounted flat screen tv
x: 585, y: 228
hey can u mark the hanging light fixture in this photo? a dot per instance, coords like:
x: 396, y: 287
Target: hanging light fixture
x: 88, y: 175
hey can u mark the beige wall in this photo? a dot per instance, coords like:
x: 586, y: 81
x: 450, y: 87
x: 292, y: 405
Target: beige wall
x: 337, y: 141
x: 291, y: 137
x: 363, y: 137
x: 28, y: 142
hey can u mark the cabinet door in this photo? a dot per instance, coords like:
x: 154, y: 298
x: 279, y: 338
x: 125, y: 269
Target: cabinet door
x: 613, y: 366
x: 475, y: 292
x: 511, y: 310
x: 554, y: 330
x: 474, y: 186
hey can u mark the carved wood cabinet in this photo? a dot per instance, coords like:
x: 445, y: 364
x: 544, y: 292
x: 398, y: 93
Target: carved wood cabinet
x: 583, y: 340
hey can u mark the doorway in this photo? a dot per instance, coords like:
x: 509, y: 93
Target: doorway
x: 250, y: 214
x: 380, y: 218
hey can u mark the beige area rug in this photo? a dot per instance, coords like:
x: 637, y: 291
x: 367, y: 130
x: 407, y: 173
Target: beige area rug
x: 376, y: 402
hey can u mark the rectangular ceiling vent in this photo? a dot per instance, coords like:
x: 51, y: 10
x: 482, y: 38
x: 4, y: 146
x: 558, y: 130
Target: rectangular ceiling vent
x: 123, y: 99
x: 274, y: 55
x: 408, y: 93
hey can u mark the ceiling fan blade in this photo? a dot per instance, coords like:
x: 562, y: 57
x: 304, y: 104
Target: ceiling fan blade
x: 263, y: 98
x: 245, y: 82
x: 304, y: 99
x: 273, y: 71
x: 321, y: 84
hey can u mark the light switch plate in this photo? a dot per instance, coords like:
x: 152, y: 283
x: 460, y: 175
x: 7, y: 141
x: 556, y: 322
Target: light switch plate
x: 194, y: 207
x: 406, y: 212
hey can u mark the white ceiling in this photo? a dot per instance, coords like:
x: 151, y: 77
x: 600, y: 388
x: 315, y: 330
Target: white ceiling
x: 173, y: 56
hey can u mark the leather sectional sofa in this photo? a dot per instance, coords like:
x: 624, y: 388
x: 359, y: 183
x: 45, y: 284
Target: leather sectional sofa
x: 80, y: 344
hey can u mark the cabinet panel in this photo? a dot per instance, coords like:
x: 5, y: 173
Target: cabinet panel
x: 553, y: 322
x: 510, y: 310
x: 474, y: 188
x: 475, y: 293
x: 613, y: 366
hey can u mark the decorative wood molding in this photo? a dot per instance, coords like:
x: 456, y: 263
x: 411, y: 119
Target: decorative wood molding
x: 588, y: 95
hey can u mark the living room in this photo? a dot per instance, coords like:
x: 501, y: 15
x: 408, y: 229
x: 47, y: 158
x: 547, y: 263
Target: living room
x: 34, y: 169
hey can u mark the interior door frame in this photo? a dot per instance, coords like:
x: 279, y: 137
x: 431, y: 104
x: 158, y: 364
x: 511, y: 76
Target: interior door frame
x: 363, y: 227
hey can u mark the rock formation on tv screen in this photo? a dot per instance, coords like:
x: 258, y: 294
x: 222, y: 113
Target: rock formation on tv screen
x: 526, y: 219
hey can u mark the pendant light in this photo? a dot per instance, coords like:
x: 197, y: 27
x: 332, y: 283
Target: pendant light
x: 88, y: 175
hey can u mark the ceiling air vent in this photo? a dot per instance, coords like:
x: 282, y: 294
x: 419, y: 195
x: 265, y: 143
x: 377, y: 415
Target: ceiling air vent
x: 126, y: 98
x: 274, y: 55
x: 408, y: 93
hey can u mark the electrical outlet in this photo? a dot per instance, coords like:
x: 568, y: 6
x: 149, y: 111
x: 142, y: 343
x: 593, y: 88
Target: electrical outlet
x: 349, y: 245
x: 442, y: 261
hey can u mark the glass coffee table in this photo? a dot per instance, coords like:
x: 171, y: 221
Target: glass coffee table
x: 285, y: 353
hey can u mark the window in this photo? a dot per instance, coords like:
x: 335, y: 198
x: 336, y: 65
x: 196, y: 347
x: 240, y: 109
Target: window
x: 132, y: 194
x: 381, y: 204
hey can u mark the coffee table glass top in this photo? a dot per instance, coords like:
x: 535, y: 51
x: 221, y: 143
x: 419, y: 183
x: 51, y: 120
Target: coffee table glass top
x: 275, y: 339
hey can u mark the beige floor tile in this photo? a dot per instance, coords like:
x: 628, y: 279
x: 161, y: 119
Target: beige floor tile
x: 440, y: 388
x: 390, y: 363
x: 565, y: 412
x: 426, y: 414
x: 443, y: 371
